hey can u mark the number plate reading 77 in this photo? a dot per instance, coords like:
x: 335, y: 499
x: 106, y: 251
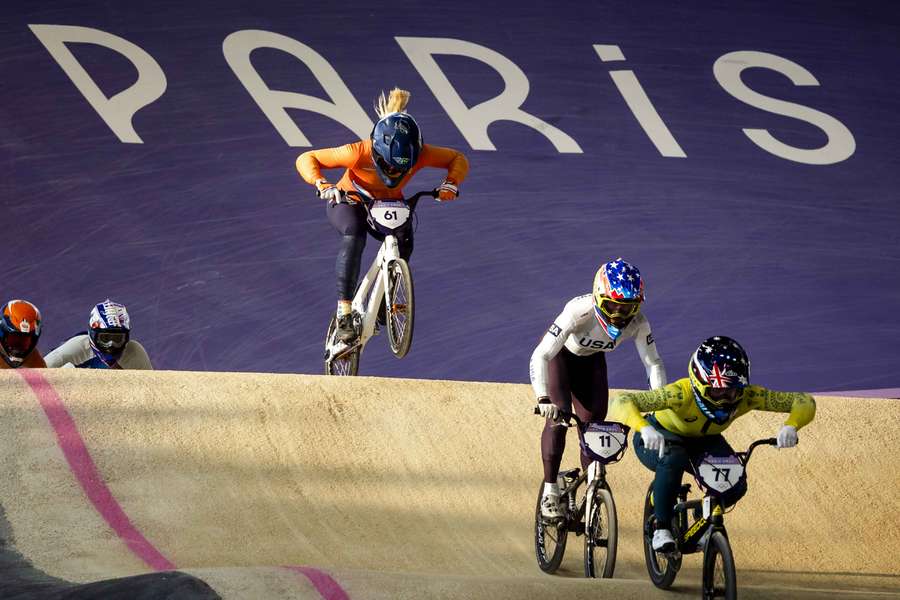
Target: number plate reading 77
x: 390, y: 214
x: 720, y: 473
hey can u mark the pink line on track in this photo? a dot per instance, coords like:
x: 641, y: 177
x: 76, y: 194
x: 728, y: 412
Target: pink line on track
x: 327, y: 587
x: 85, y: 471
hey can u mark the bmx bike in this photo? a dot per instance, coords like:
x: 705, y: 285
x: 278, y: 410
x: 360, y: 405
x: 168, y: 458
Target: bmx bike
x: 715, y: 475
x: 593, y: 513
x: 384, y: 297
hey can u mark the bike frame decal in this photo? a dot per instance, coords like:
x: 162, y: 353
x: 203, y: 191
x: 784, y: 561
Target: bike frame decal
x: 604, y: 441
x: 718, y: 474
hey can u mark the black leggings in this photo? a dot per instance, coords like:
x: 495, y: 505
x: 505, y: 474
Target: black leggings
x: 579, y: 381
x: 350, y: 221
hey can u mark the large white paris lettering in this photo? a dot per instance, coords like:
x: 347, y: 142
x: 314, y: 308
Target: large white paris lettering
x: 344, y: 108
x: 473, y: 122
x: 119, y: 110
x: 840, y: 145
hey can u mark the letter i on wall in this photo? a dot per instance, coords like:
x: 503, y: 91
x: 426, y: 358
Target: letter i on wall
x: 640, y: 105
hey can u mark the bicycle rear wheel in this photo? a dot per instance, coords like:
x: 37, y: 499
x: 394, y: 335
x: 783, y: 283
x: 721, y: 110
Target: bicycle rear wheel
x: 549, y: 539
x: 398, y: 299
x: 346, y: 364
x: 601, y: 536
x: 719, y: 575
x: 661, y: 567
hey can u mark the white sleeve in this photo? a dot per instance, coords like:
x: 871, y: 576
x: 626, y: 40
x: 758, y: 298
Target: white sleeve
x: 550, y: 345
x: 135, y: 357
x: 646, y: 347
x: 74, y: 351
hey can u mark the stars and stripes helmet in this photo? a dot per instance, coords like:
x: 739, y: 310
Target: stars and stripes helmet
x: 20, y: 328
x: 109, y: 329
x: 618, y: 293
x: 396, y: 144
x: 719, y: 371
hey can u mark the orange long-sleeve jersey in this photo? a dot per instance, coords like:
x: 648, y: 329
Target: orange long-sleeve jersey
x: 357, y: 159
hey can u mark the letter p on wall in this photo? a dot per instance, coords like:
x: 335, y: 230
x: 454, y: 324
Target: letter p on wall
x: 119, y: 110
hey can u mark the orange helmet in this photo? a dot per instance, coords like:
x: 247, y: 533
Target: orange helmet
x: 20, y: 328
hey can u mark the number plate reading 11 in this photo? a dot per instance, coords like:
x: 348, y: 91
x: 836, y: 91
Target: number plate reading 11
x: 720, y: 473
x: 605, y: 439
x: 390, y: 214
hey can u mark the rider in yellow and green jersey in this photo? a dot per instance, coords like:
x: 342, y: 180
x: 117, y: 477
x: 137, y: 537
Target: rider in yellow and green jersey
x: 690, y: 414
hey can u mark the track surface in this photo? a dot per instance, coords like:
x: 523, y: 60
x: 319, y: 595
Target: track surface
x: 277, y: 486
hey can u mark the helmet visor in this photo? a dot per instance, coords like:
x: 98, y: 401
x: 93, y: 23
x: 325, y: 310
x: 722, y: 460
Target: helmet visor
x: 111, y: 340
x: 388, y: 169
x: 720, y: 397
x: 18, y: 345
x: 619, y: 309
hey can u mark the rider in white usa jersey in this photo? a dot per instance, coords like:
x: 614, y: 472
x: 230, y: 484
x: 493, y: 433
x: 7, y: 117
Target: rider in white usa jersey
x: 568, y: 367
x: 581, y: 333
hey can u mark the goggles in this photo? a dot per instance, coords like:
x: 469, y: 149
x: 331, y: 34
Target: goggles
x: 18, y: 344
x: 720, y: 397
x: 386, y: 168
x: 619, y: 309
x: 110, y: 339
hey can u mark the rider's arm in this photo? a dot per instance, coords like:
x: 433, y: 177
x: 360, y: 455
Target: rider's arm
x: 627, y: 407
x: 550, y: 345
x: 311, y: 163
x: 75, y: 350
x: 445, y: 158
x: 802, y: 407
x: 135, y: 357
x: 646, y: 347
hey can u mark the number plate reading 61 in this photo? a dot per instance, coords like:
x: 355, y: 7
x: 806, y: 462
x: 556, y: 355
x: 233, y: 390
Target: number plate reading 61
x: 390, y: 214
x: 605, y: 439
x: 720, y: 473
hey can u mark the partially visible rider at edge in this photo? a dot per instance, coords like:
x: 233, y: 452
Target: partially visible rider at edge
x: 379, y: 166
x: 20, y: 329
x: 569, y: 364
x: 693, y: 412
x: 107, y: 344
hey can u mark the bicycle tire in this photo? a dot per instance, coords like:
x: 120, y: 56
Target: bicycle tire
x: 718, y: 546
x: 662, y: 567
x: 400, y: 307
x: 348, y: 364
x: 600, y: 550
x: 549, y: 539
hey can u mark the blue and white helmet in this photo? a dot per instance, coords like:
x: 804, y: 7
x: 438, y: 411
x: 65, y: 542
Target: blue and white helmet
x: 109, y: 330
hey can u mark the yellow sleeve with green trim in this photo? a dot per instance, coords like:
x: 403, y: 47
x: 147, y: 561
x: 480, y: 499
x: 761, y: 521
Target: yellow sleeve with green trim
x: 627, y: 406
x: 802, y: 407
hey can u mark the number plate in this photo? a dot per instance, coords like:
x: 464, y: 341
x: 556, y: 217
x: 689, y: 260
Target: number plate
x: 605, y: 439
x: 390, y: 214
x: 719, y: 473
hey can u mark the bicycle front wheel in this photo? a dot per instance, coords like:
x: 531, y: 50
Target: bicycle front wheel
x: 602, y: 535
x: 399, y: 307
x: 549, y: 539
x: 346, y: 364
x: 661, y: 567
x: 719, y: 575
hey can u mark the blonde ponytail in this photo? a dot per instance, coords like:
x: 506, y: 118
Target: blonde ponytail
x: 395, y: 102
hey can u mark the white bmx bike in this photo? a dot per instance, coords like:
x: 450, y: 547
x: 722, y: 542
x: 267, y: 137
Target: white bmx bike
x: 384, y: 297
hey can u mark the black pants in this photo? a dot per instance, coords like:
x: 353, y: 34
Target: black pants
x: 579, y: 382
x: 350, y: 221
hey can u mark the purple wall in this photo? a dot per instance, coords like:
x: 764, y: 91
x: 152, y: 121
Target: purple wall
x: 226, y: 261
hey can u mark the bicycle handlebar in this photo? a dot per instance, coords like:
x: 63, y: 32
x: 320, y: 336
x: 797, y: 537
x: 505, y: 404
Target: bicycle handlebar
x: 411, y: 200
x: 566, y: 417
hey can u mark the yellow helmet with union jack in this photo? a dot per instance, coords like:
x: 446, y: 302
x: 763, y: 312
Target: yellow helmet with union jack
x: 20, y: 328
